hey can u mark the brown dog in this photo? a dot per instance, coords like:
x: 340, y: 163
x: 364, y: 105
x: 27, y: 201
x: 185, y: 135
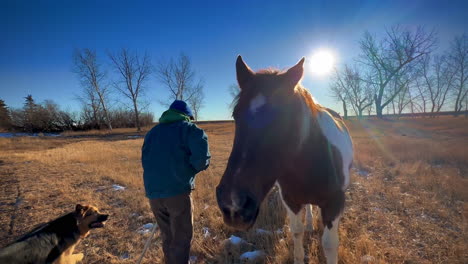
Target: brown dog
x: 55, y: 241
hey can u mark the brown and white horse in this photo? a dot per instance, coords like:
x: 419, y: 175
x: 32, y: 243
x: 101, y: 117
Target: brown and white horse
x: 283, y: 137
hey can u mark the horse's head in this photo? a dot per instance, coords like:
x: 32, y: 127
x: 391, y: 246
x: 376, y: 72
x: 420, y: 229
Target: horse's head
x: 264, y: 117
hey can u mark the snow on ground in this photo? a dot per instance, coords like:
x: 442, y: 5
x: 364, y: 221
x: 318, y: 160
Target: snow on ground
x: 193, y: 259
x: 117, y: 187
x: 235, y: 240
x: 206, y: 232
x: 260, y: 231
x: 252, y: 255
x: 11, y: 135
x: 145, y: 229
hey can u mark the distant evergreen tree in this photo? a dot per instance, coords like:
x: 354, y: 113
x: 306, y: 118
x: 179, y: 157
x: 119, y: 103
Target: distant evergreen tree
x: 5, y: 118
x: 30, y: 111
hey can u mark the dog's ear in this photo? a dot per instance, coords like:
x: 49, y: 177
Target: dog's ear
x: 79, y: 209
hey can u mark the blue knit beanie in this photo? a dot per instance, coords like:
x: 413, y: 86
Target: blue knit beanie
x: 182, y: 106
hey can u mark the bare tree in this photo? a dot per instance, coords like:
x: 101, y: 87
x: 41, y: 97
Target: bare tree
x: 92, y: 78
x: 358, y: 92
x: 339, y: 92
x: 233, y: 91
x: 134, y: 72
x: 179, y: 78
x: 403, y: 98
x: 384, y: 60
x: 413, y: 99
x: 438, y: 78
x: 369, y: 110
x: 458, y: 61
x: 91, y: 110
x: 197, y: 102
x: 422, y: 95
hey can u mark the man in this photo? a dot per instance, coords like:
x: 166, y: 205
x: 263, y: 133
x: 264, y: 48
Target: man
x: 173, y: 152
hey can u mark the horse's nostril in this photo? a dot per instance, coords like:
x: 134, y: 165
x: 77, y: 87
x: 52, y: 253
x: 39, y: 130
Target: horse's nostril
x: 246, y: 201
x: 225, y: 210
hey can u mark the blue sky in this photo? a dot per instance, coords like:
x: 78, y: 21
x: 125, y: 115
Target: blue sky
x: 39, y: 37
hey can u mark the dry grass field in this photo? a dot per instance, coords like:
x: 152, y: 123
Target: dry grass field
x: 407, y: 202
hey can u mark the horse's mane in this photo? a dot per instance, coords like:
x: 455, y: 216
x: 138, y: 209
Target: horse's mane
x: 316, y: 107
x: 308, y: 99
x: 269, y: 71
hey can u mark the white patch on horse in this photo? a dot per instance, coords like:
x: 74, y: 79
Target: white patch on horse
x: 338, y: 138
x: 330, y: 242
x: 297, y: 228
x: 309, y: 225
x: 257, y: 102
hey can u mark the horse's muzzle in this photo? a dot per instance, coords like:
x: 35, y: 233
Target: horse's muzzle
x: 240, y: 209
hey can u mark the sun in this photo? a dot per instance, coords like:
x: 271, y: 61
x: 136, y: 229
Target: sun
x: 322, y: 62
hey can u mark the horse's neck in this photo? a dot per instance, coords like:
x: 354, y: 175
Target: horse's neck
x: 307, y: 123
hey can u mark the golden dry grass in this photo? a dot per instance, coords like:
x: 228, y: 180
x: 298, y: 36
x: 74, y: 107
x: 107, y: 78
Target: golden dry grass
x: 407, y: 202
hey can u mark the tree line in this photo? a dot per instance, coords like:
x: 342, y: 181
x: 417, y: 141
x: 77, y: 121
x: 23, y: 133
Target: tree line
x: 100, y: 90
x: 402, y: 71
x: 49, y: 117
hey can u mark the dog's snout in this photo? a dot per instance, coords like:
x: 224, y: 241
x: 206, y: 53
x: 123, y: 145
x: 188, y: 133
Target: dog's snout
x: 103, y: 218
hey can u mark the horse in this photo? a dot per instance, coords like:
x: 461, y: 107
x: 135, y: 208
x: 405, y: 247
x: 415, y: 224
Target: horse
x: 284, y: 138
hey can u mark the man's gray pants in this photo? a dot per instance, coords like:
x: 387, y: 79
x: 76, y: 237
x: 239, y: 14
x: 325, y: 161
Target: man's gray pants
x: 174, y: 218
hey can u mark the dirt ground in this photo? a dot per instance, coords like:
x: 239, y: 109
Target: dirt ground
x: 407, y: 202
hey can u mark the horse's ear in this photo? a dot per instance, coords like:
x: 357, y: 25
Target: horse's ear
x: 244, y: 73
x: 294, y: 74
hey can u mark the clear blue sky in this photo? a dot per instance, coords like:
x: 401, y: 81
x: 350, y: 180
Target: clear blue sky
x: 38, y: 39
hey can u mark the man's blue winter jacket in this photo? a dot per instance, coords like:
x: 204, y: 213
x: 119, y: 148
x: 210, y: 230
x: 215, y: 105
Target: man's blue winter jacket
x: 172, y: 153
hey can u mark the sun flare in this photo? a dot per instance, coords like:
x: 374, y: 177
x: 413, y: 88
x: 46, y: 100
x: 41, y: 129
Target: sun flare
x: 322, y: 62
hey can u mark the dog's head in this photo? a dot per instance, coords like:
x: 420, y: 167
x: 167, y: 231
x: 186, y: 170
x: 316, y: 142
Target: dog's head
x: 89, y: 218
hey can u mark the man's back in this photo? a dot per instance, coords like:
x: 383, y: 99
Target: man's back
x: 173, y: 152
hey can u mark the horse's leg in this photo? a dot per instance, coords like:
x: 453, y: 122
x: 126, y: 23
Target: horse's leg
x: 330, y: 241
x: 297, y: 229
x: 309, y: 226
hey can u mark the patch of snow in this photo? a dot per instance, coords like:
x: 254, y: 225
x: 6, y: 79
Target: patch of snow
x: 125, y: 256
x: 367, y: 259
x: 206, y: 232
x: 101, y: 188
x: 7, y: 135
x: 279, y: 231
x: 117, y: 187
x: 136, y: 136
x: 425, y: 216
x: 145, y: 229
x: 260, y: 231
x: 11, y: 135
x: 235, y: 240
x: 52, y: 135
x: 363, y: 173
x: 251, y: 255
x: 193, y: 259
